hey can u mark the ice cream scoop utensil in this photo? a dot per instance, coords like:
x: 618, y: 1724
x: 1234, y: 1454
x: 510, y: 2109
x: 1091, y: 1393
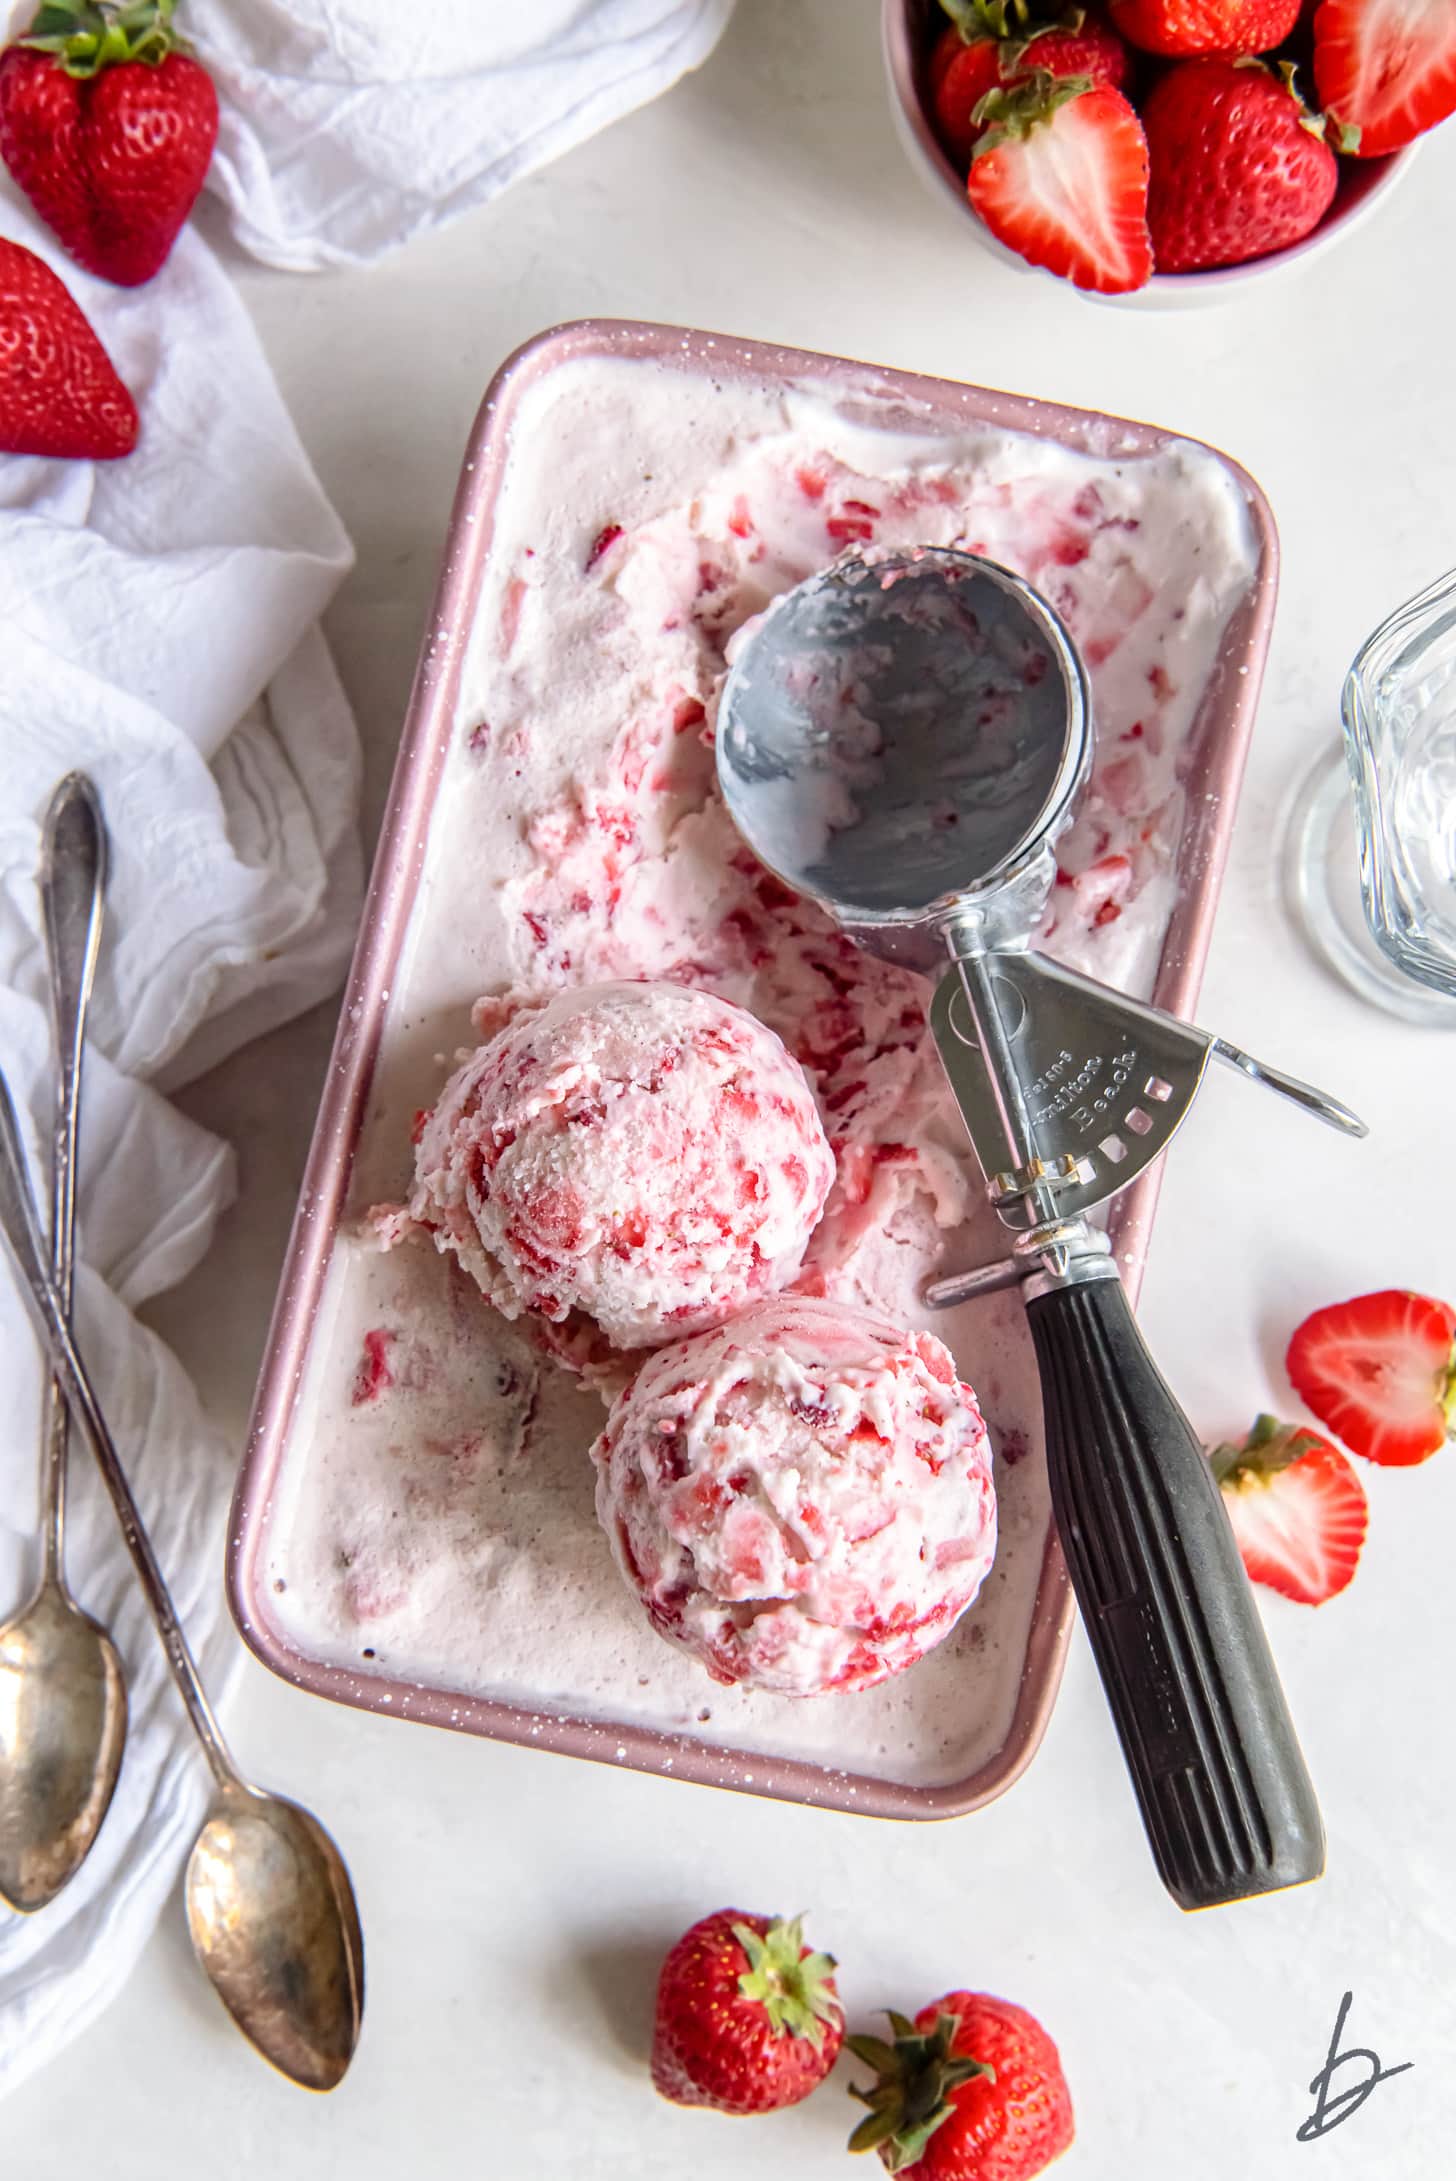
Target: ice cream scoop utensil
x: 269, y: 1904
x: 902, y: 738
x: 62, y: 1695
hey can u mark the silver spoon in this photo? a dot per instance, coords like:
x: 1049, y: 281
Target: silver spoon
x: 62, y: 1695
x: 270, y: 1908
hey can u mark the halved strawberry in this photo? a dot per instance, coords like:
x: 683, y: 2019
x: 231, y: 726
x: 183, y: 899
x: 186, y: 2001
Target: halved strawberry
x: 1385, y: 68
x: 1297, y: 1508
x: 1380, y: 1372
x: 1061, y: 177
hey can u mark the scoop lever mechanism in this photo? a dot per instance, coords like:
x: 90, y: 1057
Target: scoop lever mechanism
x: 1070, y: 1090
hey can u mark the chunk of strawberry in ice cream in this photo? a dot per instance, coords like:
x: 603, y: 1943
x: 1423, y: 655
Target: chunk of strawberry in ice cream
x: 802, y: 1499
x: 642, y: 1158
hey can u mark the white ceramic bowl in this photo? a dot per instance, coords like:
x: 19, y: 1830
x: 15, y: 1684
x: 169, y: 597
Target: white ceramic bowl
x: 905, y: 33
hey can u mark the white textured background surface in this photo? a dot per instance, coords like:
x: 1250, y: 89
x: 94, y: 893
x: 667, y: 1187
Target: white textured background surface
x: 515, y: 1905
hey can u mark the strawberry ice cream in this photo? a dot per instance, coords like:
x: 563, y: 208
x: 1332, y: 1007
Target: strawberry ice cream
x: 425, y: 1529
x: 640, y: 1156
x: 625, y: 861
x: 803, y: 1499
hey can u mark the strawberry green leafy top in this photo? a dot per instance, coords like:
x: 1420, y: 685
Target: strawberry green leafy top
x: 793, y: 1991
x: 911, y: 2098
x: 88, y: 35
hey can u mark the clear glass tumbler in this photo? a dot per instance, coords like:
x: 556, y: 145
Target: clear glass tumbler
x: 1389, y: 800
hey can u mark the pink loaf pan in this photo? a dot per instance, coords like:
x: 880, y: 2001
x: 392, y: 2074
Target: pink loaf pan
x: 1217, y: 754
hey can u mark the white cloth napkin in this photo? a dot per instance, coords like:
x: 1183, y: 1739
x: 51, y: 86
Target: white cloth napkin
x: 158, y: 629
x: 346, y: 129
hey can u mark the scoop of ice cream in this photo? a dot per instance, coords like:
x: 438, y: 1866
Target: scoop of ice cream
x: 802, y: 1499
x: 643, y: 1159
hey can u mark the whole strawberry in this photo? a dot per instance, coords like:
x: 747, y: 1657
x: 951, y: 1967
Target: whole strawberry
x: 58, y: 392
x: 748, y: 2018
x: 965, y: 65
x: 108, y: 127
x: 1179, y: 27
x: 972, y: 2090
x: 1298, y: 1510
x: 991, y: 42
x: 1082, y: 46
x: 974, y: 22
x: 1238, y: 166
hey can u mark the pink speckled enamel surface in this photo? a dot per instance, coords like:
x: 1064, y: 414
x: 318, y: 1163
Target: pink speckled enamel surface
x: 1220, y: 742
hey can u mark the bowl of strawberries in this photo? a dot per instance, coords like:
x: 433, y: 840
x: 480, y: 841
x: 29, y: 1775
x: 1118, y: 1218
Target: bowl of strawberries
x: 1166, y: 149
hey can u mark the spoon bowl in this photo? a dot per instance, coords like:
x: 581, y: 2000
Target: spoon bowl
x: 274, y: 1925
x: 62, y: 1730
x: 269, y: 1903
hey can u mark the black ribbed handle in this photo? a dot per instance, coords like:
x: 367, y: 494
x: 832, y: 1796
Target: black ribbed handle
x: 1227, y: 1802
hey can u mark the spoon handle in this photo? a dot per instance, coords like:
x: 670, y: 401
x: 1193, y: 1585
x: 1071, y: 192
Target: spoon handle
x: 72, y: 892
x: 20, y: 1223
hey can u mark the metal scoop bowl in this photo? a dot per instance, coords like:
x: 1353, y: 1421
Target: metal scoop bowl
x: 902, y: 738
